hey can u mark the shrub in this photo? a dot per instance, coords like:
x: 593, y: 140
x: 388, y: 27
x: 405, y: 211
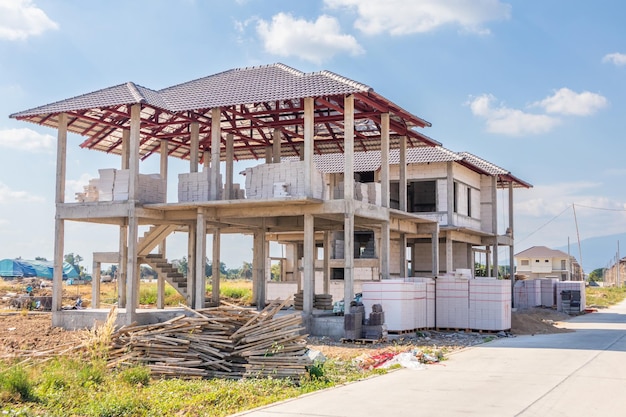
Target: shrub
x: 15, y: 384
x: 137, y: 375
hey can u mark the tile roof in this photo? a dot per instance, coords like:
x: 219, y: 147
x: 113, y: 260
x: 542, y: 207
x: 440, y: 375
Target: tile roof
x: 503, y: 175
x: 254, y: 101
x: 541, y: 252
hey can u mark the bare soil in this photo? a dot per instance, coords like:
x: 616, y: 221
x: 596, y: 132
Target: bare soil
x: 27, y: 331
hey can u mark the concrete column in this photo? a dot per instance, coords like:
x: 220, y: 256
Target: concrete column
x: 348, y: 195
x: 385, y: 251
x: 276, y: 137
x: 450, y: 192
x: 258, y: 278
x: 494, y: 222
x: 384, y: 159
x: 309, y: 167
x: 162, y: 246
x: 194, y: 150
x: 327, y: 244
x: 403, y: 271
x: 125, y: 148
x: 269, y: 156
x: 95, y: 285
x: 308, y: 266
x: 132, y: 266
x: 59, y: 224
x: 216, y: 137
x: 215, y: 279
x: 191, y: 264
x: 348, y: 269
x: 511, y: 248
x: 230, y: 156
x: 402, y: 178
x: 122, y: 265
x: 435, y: 251
x: 200, y: 287
x: 449, y: 255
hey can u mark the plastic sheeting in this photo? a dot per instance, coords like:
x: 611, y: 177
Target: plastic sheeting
x: 39, y: 269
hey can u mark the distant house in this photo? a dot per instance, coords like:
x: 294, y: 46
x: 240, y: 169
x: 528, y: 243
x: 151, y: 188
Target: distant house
x: 543, y: 262
x: 613, y: 277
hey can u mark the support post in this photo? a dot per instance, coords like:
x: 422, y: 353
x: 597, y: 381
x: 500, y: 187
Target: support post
x: 511, y: 248
x: 194, y: 150
x: 384, y: 159
x: 385, y: 251
x: 435, y: 251
x: 230, y: 156
x: 59, y: 224
x: 308, y: 267
x: 216, y: 137
x: 348, y: 195
x: 215, y: 273
x: 132, y: 266
x: 259, y: 269
x: 309, y: 115
x: 95, y: 285
x: 276, y: 137
x: 449, y: 254
x: 199, y: 289
x: 327, y: 243
x: 403, y: 269
x: 191, y: 264
x: 122, y: 265
x: 402, y: 175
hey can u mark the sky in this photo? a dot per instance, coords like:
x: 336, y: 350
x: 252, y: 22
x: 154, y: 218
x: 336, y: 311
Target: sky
x: 535, y: 87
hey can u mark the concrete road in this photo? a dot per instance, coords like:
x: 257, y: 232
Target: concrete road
x: 582, y: 373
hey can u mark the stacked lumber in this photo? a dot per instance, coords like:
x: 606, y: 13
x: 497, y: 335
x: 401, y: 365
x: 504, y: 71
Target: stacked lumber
x: 219, y: 342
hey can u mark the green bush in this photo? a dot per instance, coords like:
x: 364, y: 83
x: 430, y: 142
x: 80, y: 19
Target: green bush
x: 15, y: 384
x: 137, y: 375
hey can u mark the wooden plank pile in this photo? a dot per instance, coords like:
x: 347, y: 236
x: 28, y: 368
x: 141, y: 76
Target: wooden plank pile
x: 224, y: 342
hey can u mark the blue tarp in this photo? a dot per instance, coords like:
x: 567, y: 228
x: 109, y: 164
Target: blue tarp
x: 40, y: 269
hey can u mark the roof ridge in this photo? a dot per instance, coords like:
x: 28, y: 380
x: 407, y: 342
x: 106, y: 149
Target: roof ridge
x: 288, y: 69
x: 343, y: 79
x: 134, y: 91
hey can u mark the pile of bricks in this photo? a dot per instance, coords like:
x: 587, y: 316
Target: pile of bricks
x: 113, y: 185
x: 489, y: 304
x: 527, y: 293
x: 196, y: 186
x: 285, y: 179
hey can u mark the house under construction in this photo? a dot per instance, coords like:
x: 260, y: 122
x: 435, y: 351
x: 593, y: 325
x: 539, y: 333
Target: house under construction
x: 346, y: 180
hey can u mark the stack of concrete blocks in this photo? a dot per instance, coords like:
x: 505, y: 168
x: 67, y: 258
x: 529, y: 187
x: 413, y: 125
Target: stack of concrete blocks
x: 369, y: 192
x: 151, y: 188
x: 570, y: 286
x: 353, y: 322
x: 285, y: 179
x: 196, y: 186
x: 452, y: 298
x: 404, y: 302
x: 90, y: 193
x: 375, y: 327
x: 237, y: 193
x: 430, y: 299
x: 548, y: 291
x: 106, y: 182
x: 121, y: 185
x: 338, y: 249
x: 527, y: 293
x: 489, y: 304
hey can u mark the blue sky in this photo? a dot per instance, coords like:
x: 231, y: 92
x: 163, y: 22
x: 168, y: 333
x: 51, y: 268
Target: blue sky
x: 537, y: 88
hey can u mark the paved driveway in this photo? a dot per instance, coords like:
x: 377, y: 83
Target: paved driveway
x: 582, y: 373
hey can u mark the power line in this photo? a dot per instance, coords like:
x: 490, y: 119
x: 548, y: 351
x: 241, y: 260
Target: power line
x: 545, y: 224
x: 600, y: 208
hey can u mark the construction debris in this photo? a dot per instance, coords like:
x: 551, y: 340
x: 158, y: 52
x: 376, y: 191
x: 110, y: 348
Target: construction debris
x: 226, y: 342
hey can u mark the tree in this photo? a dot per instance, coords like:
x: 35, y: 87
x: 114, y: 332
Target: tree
x: 181, y: 264
x: 246, y: 270
x: 75, y: 260
x: 40, y: 258
x: 597, y: 274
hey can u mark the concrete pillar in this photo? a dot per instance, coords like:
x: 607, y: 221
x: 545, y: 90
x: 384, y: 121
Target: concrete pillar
x: 348, y: 194
x: 449, y: 255
x: 228, y: 182
x: 194, y: 150
x: 402, y: 180
x: 59, y: 224
x: 384, y: 159
x: 327, y: 244
x: 309, y: 167
x: 435, y: 250
x: 403, y: 269
x: 308, y: 266
x: 385, y: 251
x: 512, y: 235
x: 122, y: 276
x: 132, y: 266
x: 162, y: 246
x: 125, y: 148
x: 450, y: 192
x: 258, y: 262
x: 200, y: 287
x: 215, y: 279
x: 95, y: 285
x: 216, y: 137
x: 276, y: 152
x: 191, y: 264
x: 494, y: 222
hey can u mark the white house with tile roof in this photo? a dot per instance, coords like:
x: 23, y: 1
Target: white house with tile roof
x: 543, y: 262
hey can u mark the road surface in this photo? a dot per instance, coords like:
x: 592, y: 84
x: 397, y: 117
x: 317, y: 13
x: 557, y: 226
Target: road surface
x: 582, y: 373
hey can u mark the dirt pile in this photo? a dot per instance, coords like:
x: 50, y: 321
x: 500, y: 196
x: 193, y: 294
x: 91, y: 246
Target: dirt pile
x: 537, y: 321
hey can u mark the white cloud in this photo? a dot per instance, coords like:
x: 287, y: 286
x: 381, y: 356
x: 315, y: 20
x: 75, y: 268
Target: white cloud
x: 10, y: 196
x: 20, y: 19
x: 568, y: 102
x: 615, y: 58
x: 402, y: 17
x: 312, y: 41
x: 26, y: 139
x: 506, y: 121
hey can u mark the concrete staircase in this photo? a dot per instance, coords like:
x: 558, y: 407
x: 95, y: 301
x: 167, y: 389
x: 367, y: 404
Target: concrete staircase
x: 168, y: 271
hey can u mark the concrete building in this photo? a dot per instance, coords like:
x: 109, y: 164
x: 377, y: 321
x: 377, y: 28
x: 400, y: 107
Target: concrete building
x: 439, y: 204
x: 543, y: 262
